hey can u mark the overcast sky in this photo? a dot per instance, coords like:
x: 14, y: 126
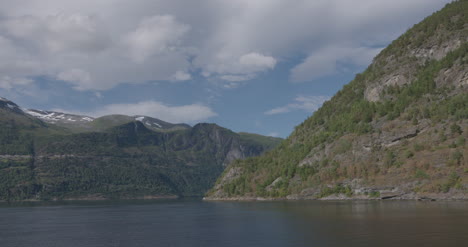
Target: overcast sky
x: 259, y: 66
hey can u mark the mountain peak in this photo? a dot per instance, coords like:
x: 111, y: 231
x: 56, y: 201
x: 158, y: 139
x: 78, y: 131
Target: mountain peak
x: 10, y: 105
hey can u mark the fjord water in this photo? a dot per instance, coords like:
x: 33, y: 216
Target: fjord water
x: 199, y: 223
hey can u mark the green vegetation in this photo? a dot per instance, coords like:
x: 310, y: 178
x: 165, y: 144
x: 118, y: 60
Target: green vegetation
x: 374, y: 194
x: 266, y: 141
x: 452, y: 181
x: 338, y: 189
x: 421, y: 174
x: 39, y: 161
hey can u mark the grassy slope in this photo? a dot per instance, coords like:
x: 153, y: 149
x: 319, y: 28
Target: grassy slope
x: 266, y: 141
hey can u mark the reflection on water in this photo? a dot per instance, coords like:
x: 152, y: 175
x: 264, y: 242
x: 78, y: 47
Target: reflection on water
x: 389, y: 223
x: 197, y: 223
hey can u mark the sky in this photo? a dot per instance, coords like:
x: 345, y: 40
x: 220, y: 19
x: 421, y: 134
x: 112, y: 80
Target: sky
x: 259, y: 66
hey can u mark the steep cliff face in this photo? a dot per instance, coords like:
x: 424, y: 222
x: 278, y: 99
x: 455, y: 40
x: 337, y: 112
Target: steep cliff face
x: 427, y: 41
x: 398, y: 130
x: 42, y: 161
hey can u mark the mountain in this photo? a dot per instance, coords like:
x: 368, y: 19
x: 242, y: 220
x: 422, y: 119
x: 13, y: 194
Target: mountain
x: 81, y: 123
x: 151, y: 123
x: 126, y: 158
x: 69, y: 121
x: 8, y: 105
x: 398, y: 130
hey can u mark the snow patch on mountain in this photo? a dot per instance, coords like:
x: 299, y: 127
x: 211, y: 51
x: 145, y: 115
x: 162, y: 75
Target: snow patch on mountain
x: 53, y: 117
x: 148, y: 121
x: 11, y: 106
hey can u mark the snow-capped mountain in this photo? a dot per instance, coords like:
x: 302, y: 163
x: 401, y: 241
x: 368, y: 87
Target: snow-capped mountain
x: 82, y: 123
x: 57, y: 117
x: 155, y: 123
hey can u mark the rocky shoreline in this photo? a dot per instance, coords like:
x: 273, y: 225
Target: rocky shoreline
x: 343, y: 197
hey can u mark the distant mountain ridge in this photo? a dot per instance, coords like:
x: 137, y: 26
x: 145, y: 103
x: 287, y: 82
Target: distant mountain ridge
x: 82, y: 123
x: 45, y: 156
x: 150, y: 122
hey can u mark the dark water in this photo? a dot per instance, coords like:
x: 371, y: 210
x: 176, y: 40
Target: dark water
x: 197, y: 223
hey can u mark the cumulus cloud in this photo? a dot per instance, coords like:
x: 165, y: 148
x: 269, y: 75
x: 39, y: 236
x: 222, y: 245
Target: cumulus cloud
x: 304, y: 103
x: 258, y: 60
x: 58, y: 33
x: 89, y: 55
x: 236, y: 78
x: 15, y: 62
x: 155, y: 35
x: 8, y: 83
x: 181, y: 76
x: 78, y: 77
x: 233, y: 67
x: 174, y: 114
x: 327, y: 61
x: 116, y: 42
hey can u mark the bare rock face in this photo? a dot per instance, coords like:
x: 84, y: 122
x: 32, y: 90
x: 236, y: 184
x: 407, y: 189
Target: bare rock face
x: 456, y: 76
x: 274, y: 183
x: 401, y: 74
x: 229, y: 176
x: 373, y: 93
x: 436, y: 51
x: 234, y: 154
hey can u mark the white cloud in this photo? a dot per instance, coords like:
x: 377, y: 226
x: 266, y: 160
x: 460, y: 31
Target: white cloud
x: 258, y: 61
x: 116, y: 41
x: 326, y: 61
x: 181, y: 76
x: 305, y: 103
x: 98, y: 95
x: 80, y: 78
x: 232, y: 67
x: 82, y: 50
x: 174, y: 114
x: 58, y: 33
x: 15, y: 62
x: 8, y: 83
x: 236, y: 78
x: 155, y: 35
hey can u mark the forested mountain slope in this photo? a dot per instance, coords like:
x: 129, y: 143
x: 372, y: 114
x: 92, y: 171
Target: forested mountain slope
x: 43, y: 161
x: 398, y: 130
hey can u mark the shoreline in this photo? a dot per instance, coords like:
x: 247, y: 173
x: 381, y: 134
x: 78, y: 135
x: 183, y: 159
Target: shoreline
x: 341, y: 197
x: 97, y: 198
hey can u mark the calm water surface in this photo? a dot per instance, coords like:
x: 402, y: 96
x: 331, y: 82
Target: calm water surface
x: 205, y: 224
